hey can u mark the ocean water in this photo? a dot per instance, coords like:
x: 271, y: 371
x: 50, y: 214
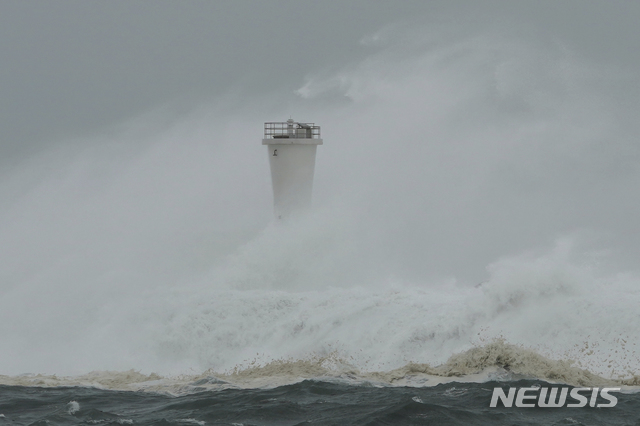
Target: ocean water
x: 474, y: 226
x: 306, y: 402
x: 405, y: 355
x: 323, y: 402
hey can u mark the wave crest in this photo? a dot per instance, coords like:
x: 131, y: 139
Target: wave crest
x: 495, y: 361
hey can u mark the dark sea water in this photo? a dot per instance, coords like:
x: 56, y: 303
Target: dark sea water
x: 307, y: 402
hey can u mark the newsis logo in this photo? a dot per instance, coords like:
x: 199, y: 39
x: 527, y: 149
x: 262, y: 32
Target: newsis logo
x: 554, y: 397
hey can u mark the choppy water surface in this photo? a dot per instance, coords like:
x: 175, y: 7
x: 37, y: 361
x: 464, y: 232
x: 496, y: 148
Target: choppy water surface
x: 307, y: 402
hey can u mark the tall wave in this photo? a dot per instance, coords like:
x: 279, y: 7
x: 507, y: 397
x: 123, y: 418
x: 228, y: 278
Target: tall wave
x: 469, y: 216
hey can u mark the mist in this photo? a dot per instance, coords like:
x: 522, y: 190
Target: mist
x: 448, y: 152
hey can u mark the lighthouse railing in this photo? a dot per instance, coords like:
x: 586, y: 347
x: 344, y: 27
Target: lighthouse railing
x: 283, y: 130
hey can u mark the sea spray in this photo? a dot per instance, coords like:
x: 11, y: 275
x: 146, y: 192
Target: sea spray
x: 497, y: 360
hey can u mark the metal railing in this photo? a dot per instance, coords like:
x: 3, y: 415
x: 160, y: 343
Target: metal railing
x: 291, y: 130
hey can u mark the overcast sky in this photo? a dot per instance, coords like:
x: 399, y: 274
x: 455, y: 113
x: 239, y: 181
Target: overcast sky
x: 466, y: 130
x: 72, y: 67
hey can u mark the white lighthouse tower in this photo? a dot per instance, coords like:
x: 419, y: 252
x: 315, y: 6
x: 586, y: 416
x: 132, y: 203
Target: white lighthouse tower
x: 292, y: 157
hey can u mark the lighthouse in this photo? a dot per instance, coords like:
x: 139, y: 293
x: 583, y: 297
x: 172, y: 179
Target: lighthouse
x: 291, y: 147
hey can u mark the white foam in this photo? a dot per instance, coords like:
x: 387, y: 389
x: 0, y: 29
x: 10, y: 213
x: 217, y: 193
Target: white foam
x: 193, y: 421
x: 73, y: 407
x: 148, y: 254
x: 547, y: 305
x: 494, y: 361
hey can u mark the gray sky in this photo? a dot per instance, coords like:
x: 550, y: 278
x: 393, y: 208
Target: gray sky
x: 466, y: 130
x: 72, y: 67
